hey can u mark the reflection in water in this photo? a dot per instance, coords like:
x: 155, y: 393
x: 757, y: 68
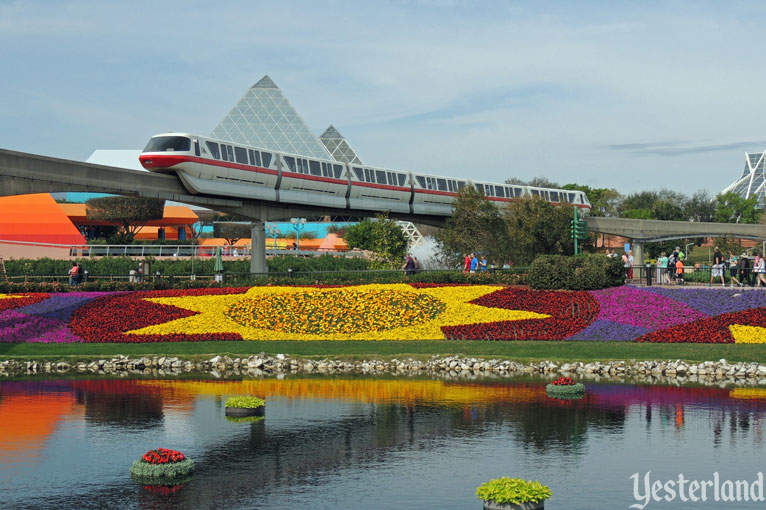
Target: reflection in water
x: 391, y: 443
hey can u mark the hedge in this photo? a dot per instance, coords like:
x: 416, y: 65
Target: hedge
x: 581, y: 272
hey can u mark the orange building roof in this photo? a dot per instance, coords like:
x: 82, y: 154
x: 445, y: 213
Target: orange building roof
x: 36, y: 218
x: 173, y: 215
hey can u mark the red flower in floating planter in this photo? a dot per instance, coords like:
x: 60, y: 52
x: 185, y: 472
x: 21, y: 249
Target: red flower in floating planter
x: 163, y: 456
x: 563, y: 381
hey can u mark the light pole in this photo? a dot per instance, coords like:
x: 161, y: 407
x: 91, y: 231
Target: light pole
x: 273, y: 232
x: 298, y: 224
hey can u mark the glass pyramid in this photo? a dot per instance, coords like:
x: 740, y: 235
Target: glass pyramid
x: 338, y: 146
x: 264, y: 118
x: 753, y: 179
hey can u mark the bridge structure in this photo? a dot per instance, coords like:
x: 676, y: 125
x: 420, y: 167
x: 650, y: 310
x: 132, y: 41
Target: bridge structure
x: 23, y: 173
x: 647, y: 231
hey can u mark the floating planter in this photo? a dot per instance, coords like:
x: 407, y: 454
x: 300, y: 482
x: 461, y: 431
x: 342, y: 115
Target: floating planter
x: 241, y: 407
x: 513, y: 494
x: 244, y: 419
x: 565, y: 388
x: 162, y: 467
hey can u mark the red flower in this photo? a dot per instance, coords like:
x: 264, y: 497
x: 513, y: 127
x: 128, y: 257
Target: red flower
x: 162, y: 456
x: 570, y: 312
x: 711, y: 330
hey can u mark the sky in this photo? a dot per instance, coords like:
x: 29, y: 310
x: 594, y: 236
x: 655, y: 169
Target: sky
x: 627, y: 95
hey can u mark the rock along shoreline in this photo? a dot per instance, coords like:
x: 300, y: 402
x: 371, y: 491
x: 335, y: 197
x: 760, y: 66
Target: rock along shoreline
x: 677, y: 372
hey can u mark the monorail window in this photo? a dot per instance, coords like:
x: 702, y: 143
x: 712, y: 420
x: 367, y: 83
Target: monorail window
x: 421, y: 180
x: 571, y: 197
x: 460, y: 185
x: 258, y: 158
x: 535, y: 192
x: 230, y: 150
x: 554, y: 196
x: 451, y: 185
x: 368, y: 176
x: 500, y: 191
x: 381, y: 177
x: 314, y: 167
x: 442, y: 184
x: 359, y: 173
x: 224, y: 153
x: 338, y: 171
x: 266, y: 158
x: 241, y: 155
x: 168, y: 143
x: 402, y: 179
x: 196, y: 147
x: 290, y: 163
x: 213, y: 148
x: 252, y: 158
x: 325, y: 173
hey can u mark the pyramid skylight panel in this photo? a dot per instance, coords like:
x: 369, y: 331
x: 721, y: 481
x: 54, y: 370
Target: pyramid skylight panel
x: 338, y: 146
x: 753, y: 180
x: 264, y: 118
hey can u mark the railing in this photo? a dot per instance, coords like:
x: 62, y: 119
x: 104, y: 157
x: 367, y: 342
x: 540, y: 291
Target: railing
x: 700, y: 276
x: 168, y: 250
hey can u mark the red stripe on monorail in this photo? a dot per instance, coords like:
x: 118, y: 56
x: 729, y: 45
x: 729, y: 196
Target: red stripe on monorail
x: 150, y: 161
x: 295, y: 175
x: 380, y: 186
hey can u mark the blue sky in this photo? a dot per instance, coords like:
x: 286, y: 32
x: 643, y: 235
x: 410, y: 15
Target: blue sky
x: 631, y: 95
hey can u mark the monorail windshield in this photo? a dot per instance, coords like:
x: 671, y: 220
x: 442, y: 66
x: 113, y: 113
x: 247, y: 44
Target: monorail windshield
x: 168, y: 143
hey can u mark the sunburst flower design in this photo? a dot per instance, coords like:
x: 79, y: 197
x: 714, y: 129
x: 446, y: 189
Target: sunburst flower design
x: 363, y: 312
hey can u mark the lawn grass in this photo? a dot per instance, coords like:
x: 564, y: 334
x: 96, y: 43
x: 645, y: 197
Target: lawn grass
x: 521, y: 351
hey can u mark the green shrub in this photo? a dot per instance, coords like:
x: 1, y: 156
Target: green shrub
x: 513, y: 490
x: 144, y: 472
x: 245, y: 402
x: 581, y: 272
x: 565, y: 392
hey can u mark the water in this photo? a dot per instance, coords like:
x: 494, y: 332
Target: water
x: 367, y: 443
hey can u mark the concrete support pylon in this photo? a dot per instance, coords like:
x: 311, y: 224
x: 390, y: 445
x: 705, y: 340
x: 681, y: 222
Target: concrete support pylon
x: 638, y: 253
x: 258, y: 248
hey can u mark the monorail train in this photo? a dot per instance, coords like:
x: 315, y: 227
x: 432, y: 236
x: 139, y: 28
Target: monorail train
x: 223, y: 168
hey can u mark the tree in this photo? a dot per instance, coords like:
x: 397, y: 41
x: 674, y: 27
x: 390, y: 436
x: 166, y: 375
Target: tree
x: 732, y: 208
x: 476, y: 225
x: 381, y: 235
x: 603, y: 201
x: 232, y: 231
x: 536, y: 227
x: 128, y: 213
x: 700, y: 207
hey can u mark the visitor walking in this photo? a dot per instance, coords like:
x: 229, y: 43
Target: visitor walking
x: 718, y: 267
x: 733, y: 269
x: 483, y: 264
x: 664, y: 270
x: 631, y: 261
x: 474, y: 263
x: 744, y: 270
x: 73, y: 275
x: 679, y: 272
x: 416, y: 264
x: 760, y: 269
x: 409, y: 266
x: 467, y: 263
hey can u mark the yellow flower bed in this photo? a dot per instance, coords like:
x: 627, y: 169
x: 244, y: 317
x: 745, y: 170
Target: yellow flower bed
x: 361, y: 312
x: 748, y: 334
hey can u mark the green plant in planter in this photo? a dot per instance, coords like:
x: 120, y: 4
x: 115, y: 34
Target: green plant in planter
x: 162, y: 466
x: 245, y: 402
x: 565, y: 388
x: 513, y: 490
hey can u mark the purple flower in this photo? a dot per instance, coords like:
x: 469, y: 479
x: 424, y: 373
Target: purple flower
x: 17, y: 327
x: 607, y: 331
x: 636, y: 307
x: 715, y: 301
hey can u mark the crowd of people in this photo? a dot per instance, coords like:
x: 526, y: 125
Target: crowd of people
x: 472, y: 263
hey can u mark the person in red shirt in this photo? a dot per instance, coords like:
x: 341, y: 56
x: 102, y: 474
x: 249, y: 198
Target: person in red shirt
x: 467, y: 263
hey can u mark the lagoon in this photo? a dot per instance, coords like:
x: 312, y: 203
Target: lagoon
x: 373, y: 443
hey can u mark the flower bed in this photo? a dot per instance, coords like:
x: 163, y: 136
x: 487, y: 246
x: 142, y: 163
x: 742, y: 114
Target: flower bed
x: 387, y: 312
x: 162, y: 466
x: 565, y: 388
